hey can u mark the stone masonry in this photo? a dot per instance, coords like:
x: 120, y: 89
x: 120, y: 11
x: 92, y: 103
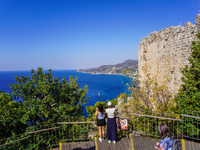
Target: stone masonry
x: 162, y: 53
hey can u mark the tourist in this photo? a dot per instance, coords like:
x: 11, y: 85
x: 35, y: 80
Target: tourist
x: 166, y: 138
x: 111, y: 123
x: 100, y: 114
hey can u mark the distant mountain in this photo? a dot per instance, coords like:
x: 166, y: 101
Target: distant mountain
x: 112, y: 69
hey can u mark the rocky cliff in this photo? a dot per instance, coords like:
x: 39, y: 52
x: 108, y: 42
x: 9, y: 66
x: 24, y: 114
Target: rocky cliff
x: 163, y: 53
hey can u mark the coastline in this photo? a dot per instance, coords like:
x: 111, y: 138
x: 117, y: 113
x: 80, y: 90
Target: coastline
x: 106, y: 74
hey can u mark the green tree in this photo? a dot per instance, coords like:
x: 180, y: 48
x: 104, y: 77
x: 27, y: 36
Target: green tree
x: 147, y: 95
x: 10, y: 123
x: 92, y: 109
x: 43, y: 99
x: 188, y: 97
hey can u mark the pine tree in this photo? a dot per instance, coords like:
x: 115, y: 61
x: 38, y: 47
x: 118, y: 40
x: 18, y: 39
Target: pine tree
x: 188, y: 97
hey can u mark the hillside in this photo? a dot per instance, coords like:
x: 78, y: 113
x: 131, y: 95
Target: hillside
x: 112, y: 69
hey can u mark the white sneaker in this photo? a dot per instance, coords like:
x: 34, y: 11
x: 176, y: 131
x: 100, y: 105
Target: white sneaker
x: 114, y: 142
x: 109, y: 141
x: 100, y: 139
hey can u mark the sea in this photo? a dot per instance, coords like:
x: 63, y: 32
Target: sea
x: 107, y: 86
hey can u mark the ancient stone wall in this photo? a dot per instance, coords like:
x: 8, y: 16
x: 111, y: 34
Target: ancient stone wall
x: 162, y: 53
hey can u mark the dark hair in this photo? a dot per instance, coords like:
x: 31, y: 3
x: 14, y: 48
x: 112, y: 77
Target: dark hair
x: 164, y: 131
x: 100, y: 107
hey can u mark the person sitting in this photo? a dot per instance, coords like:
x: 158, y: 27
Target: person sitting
x: 166, y: 138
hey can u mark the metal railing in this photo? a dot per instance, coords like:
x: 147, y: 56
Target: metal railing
x: 77, y: 131
x: 190, y: 127
x: 49, y: 136
x: 36, y: 138
x: 185, y: 125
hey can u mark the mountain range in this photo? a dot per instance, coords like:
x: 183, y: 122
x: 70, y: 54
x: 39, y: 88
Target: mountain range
x: 112, y: 69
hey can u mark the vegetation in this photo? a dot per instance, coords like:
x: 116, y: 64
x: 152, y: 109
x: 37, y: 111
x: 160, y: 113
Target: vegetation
x: 113, y: 69
x: 92, y: 109
x: 39, y: 100
x: 148, y: 95
x: 10, y: 123
x: 150, y: 98
x: 188, y: 96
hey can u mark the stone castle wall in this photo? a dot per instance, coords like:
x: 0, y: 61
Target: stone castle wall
x: 163, y: 53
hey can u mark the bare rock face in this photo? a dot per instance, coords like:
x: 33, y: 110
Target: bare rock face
x: 187, y: 24
x: 197, y: 22
x: 162, y: 53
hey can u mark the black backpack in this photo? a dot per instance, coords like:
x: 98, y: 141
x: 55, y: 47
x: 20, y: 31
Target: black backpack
x: 176, y: 145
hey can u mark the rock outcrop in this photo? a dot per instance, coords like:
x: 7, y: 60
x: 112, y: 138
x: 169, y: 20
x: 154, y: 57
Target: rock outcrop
x: 162, y: 53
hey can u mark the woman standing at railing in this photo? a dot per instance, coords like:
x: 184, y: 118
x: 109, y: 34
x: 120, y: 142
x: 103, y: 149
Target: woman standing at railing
x: 100, y: 113
x: 111, y: 123
x: 166, y: 138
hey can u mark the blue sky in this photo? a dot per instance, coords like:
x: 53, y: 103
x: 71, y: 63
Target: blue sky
x: 79, y: 34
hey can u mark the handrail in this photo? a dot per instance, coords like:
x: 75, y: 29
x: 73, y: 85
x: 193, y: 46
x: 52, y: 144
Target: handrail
x: 155, y: 117
x: 42, y: 130
x: 15, y: 141
x: 31, y: 132
x: 28, y: 134
x: 83, y: 122
x: 189, y: 116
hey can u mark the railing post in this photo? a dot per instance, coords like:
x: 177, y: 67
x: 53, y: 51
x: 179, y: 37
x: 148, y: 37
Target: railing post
x: 60, y: 146
x: 183, y: 144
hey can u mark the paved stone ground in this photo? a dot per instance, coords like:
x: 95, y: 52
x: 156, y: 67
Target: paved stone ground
x: 144, y: 143
x: 78, y: 146
x: 121, y: 144
x: 189, y: 145
x: 139, y: 142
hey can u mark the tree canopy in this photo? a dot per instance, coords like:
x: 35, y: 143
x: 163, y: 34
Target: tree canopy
x: 188, y: 97
x: 40, y: 99
x: 92, y: 109
x: 147, y: 95
x: 10, y: 115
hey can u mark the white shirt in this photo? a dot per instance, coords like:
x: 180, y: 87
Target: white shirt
x: 111, y: 112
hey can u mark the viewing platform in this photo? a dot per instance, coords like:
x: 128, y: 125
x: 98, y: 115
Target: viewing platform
x: 134, y: 142
x: 141, y: 134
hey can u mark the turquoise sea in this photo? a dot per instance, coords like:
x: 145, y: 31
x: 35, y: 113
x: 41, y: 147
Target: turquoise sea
x: 109, y: 86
